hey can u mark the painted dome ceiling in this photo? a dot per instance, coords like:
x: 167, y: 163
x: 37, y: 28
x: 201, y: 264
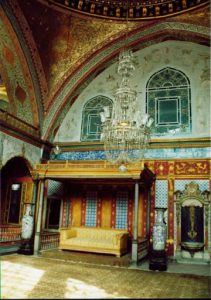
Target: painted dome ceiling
x: 131, y: 9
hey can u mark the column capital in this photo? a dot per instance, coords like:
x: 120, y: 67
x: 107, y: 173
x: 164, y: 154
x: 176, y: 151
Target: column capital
x: 35, y: 175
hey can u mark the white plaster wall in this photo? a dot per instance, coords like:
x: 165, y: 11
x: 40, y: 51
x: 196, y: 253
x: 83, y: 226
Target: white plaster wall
x: 192, y: 59
x: 11, y: 147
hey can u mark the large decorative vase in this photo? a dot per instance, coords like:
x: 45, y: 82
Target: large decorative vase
x: 159, y: 230
x: 158, y: 259
x: 27, y: 232
x: 27, y: 224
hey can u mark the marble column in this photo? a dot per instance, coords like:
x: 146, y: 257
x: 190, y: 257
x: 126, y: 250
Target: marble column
x: 148, y: 215
x: 39, y: 219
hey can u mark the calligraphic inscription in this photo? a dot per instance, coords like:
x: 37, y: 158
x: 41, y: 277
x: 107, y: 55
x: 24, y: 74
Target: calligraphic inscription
x: 188, y: 168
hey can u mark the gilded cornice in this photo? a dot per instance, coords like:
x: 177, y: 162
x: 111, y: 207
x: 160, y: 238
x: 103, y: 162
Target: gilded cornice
x: 154, y: 144
x: 17, y: 128
x: 181, y: 168
x: 13, y: 122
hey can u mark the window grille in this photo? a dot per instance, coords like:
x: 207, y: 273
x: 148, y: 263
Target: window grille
x: 91, y: 209
x: 168, y: 97
x: 91, y: 121
x: 121, y: 210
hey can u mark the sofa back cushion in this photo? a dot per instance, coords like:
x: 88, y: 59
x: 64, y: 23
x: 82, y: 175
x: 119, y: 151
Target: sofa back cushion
x: 98, y: 233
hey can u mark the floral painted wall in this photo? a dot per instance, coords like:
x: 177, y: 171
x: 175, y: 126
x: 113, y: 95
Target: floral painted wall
x: 189, y: 58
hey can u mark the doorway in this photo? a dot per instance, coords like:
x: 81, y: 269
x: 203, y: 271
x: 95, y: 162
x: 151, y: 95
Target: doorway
x: 53, y: 213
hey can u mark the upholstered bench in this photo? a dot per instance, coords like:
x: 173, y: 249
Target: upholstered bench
x: 100, y: 240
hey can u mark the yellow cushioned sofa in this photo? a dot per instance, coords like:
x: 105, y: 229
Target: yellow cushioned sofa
x: 100, y: 240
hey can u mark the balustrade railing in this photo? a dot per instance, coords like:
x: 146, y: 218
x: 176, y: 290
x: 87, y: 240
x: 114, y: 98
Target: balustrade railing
x: 9, y: 233
x: 49, y: 240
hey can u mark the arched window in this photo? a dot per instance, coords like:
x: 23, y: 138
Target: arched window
x: 91, y: 121
x: 169, y: 101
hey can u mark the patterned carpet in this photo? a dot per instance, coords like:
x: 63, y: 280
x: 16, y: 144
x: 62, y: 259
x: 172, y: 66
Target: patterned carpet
x: 39, y: 277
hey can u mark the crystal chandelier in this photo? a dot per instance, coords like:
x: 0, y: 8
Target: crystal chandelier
x: 126, y: 131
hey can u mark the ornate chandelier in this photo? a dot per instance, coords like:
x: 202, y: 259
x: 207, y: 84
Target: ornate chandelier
x: 125, y: 131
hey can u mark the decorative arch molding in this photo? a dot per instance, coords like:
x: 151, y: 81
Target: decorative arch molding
x: 12, y: 146
x: 24, y: 67
x: 31, y: 46
x: 155, y: 82
x: 27, y: 162
x: 21, y: 158
x: 138, y: 39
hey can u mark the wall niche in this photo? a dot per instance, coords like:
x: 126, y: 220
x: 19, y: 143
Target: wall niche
x: 192, y: 215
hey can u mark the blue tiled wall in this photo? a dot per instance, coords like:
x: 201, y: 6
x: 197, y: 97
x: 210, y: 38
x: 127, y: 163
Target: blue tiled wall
x: 171, y: 153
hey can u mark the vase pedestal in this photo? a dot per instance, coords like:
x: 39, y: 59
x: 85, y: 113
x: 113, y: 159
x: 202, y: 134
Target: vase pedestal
x: 26, y: 247
x: 158, y: 260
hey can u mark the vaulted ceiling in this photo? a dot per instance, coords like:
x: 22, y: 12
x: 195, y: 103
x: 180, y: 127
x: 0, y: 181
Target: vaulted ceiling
x: 51, y: 50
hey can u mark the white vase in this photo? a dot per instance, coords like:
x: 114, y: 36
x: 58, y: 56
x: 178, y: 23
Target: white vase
x: 27, y: 224
x: 159, y: 231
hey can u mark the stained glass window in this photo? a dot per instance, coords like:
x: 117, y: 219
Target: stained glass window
x: 91, y: 121
x: 169, y: 101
